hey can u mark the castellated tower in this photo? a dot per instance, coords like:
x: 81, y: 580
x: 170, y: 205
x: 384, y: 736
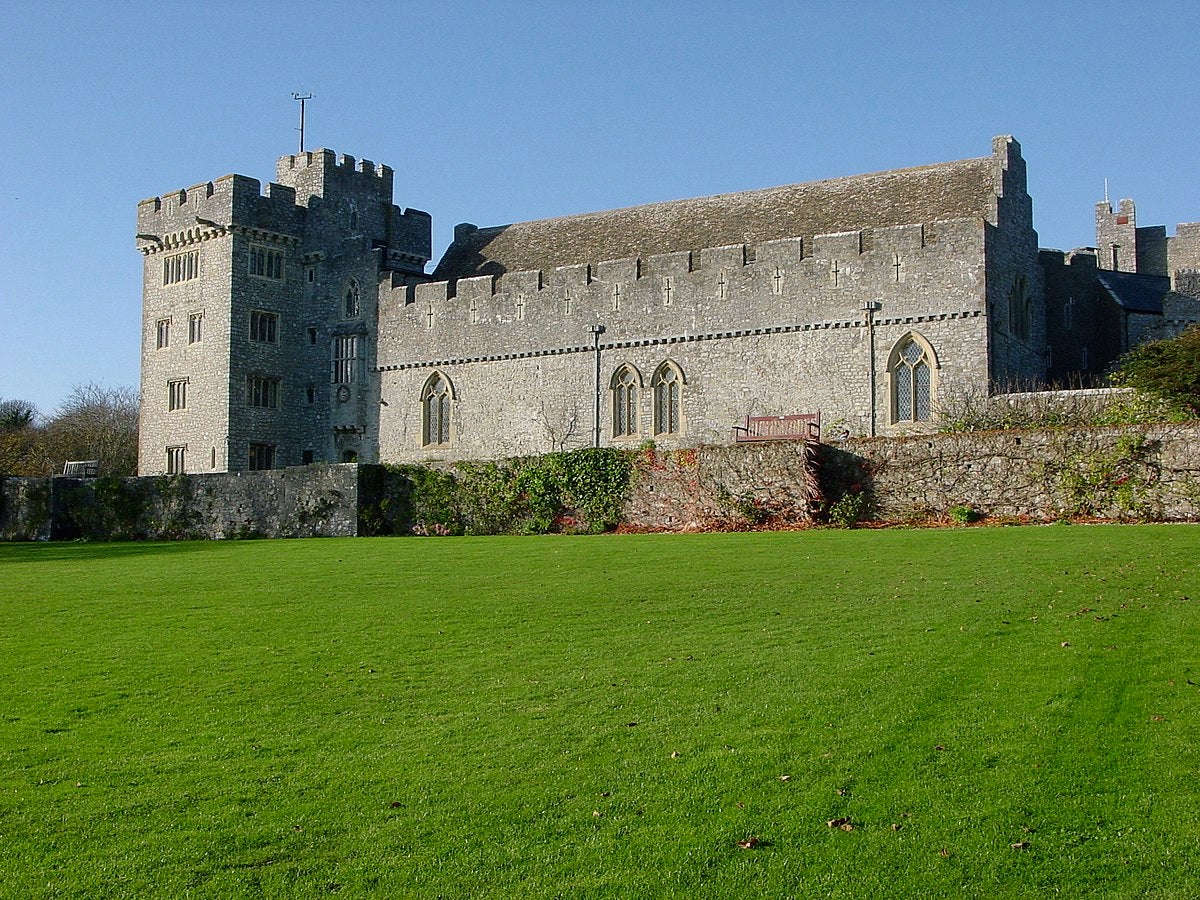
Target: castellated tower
x: 260, y: 311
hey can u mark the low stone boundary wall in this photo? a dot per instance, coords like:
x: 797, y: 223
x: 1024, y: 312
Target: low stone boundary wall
x: 723, y: 487
x: 1133, y: 473
x: 298, y: 502
x: 1125, y: 472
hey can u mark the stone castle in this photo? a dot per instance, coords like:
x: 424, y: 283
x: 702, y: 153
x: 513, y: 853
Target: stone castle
x: 297, y: 324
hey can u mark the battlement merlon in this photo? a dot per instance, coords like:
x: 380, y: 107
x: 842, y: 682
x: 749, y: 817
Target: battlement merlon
x: 880, y: 246
x: 211, y: 208
x: 409, y: 240
x: 319, y: 173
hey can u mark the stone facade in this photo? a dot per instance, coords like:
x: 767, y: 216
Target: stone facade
x: 297, y: 323
x: 794, y: 319
x: 259, y: 312
x: 1137, y: 284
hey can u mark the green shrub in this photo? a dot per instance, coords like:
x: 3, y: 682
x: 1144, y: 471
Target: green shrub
x: 1168, y: 370
x: 964, y: 514
x: 580, y: 490
x: 848, y: 510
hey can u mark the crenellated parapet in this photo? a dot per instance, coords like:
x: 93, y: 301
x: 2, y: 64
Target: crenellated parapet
x: 909, y: 271
x: 319, y: 167
x: 233, y: 203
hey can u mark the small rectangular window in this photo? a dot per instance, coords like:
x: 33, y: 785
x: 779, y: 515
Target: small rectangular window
x: 177, y: 394
x: 181, y: 267
x: 306, y: 457
x: 264, y: 327
x: 262, y: 392
x: 176, y: 457
x: 261, y: 457
x: 312, y: 336
x: 195, y: 327
x: 311, y: 393
x: 163, y: 328
x: 266, y: 263
x: 345, y: 357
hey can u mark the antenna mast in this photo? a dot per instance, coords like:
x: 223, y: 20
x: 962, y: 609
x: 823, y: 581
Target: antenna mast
x: 301, y: 98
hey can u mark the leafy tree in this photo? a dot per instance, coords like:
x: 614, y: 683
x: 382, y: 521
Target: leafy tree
x: 1169, y: 370
x: 17, y: 415
x: 95, y: 422
x: 20, y: 439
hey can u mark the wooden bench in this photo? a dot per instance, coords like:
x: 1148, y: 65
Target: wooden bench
x: 82, y: 468
x: 800, y: 427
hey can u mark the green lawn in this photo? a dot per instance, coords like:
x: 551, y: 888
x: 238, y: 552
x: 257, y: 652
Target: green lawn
x: 606, y: 716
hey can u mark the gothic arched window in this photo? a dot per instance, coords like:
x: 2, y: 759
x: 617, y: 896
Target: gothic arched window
x: 625, y: 394
x: 667, y: 389
x: 352, y: 296
x: 435, y: 411
x: 911, y: 367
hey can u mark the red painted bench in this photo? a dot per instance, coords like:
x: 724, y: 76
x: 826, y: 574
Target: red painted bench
x: 801, y: 427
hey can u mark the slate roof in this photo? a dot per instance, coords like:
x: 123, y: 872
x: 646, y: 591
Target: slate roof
x: 953, y: 190
x: 1133, y: 292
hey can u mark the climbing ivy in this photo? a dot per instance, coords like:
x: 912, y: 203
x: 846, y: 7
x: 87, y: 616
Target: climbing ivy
x: 576, y: 491
x: 1093, y: 482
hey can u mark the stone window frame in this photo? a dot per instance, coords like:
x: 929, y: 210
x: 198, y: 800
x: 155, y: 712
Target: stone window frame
x: 437, y: 411
x: 181, y: 267
x: 265, y: 262
x: 262, y: 391
x: 196, y: 327
x: 162, y: 329
x: 176, y: 459
x: 261, y: 456
x: 895, y: 364
x: 625, y: 398
x: 177, y: 390
x: 344, y: 368
x: 264, y: 326
x: 666, y: 392
x: 352, y: 301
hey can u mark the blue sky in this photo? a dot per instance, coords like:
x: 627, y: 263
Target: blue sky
x: 505, y: 111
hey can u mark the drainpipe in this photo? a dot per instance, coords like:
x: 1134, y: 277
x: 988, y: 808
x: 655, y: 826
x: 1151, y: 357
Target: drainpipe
x: 870, y: 307
x: 596, y: 331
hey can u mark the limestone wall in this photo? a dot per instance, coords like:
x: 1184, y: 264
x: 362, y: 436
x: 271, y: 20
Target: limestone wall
x: 1140, y: 473
x: 724, y: 487
x: 311, y: 501
x: 1150, y: 472
x: 774, y: 329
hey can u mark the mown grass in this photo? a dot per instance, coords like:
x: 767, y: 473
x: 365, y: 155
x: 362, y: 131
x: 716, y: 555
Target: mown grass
x: 605, y: 717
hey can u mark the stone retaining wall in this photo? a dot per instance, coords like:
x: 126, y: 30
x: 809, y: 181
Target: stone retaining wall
x: 723, y: 486
x: 313, y: 501
x: 1127, y: 473
x: 1142, y: 472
